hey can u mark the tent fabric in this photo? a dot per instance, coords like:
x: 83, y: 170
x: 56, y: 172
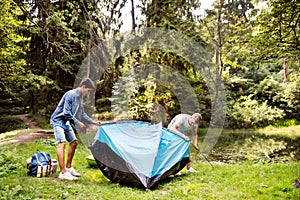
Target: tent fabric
x: 138, y: 154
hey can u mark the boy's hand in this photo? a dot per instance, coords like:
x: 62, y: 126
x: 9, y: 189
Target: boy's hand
x: 81, y: 125
x: 97, y: 123
x: 196, y: 147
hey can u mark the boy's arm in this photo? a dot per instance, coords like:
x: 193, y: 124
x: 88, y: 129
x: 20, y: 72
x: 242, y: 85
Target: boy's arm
x: 174, y: 128
x: 87, y: 118
x: 196, y: 140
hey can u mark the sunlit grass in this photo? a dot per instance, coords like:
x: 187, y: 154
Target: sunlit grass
x: 6, y: 138
x: 241, y: 180
x: 291, y: 131
x: 11, y: 133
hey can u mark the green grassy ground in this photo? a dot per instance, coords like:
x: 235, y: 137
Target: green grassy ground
x: 245, y: 178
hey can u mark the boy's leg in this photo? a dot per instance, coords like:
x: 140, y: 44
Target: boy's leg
x: 71, y: 152
x: 61, y: 156
x: 60, y: 138
x: 71, y: 138
x: 188, y: 166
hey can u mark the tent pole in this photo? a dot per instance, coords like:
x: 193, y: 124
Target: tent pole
x: 205, y: 158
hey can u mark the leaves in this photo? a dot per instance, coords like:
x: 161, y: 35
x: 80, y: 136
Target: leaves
x: 278, y: 30
x: 44, y: 43
x: 248, y: 113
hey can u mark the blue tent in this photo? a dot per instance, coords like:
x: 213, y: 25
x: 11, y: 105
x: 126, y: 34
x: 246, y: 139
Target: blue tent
x: 138, y: 154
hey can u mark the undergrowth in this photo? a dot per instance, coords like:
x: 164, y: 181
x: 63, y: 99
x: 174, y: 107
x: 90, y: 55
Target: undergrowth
x: 9, y: 123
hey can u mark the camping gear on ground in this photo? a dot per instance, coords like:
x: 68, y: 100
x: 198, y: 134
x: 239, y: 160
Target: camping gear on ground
x: 138, y: 154
x: 40, y: 164
x: 91, y: 161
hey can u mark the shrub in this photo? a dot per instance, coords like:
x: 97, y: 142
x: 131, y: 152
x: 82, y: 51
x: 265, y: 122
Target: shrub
x: 10, y: 123
x: 41, y: 120
x: 248, y: 113
x: 103, y: 105
x: 286, y: 123
x: 105, y: 116
x: 289, y: 100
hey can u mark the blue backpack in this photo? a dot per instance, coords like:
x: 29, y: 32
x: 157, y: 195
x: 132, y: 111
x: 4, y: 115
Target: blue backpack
x: 40, y: 164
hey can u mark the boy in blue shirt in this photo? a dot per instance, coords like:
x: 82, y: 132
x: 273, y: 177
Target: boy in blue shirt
x: 63, y: 117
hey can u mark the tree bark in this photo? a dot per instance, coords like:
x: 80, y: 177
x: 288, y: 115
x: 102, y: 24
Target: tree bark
x: 88, y: 59
x: 286, y: 72
x: 133, y: 16
x: 218, y: 53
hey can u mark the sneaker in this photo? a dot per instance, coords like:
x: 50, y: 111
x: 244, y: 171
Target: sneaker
x: 72, y: 171
x: 191, y: 170
x: 67, y: 176
x: 178, y: 174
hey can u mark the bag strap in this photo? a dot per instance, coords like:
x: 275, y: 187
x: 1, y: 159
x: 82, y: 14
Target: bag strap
x: 37, y: 159
x: 48, y: 172
x: 44, y: 154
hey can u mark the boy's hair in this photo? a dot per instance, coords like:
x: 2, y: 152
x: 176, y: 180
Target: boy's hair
x: 87, y: 83
x: 195, y: 118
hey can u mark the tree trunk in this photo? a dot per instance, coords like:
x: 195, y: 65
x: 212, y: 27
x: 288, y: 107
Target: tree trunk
x: 286, y: 73
x: 88, y: 59
x: 218, y: 53
x: 219, y: 63
x: 132, y: 16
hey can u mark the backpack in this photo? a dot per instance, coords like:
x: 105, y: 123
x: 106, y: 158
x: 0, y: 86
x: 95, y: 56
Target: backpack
x: 40, y: 164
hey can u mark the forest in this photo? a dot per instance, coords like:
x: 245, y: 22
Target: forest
x: 153, y: 57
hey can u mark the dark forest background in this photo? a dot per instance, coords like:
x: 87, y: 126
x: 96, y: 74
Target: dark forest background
x: 254, y: 45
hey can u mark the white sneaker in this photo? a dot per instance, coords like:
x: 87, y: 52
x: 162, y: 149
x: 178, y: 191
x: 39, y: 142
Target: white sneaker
x: 67, y: 176
x: 178, y: 174
x: 191, y: 170
x: 72, y: 171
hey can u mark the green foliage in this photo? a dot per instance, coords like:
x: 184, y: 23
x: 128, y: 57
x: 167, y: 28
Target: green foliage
x: 44, y: 43
x: 9, y: 162
x: 105, y: 116
x: 173, y: 15
x: 150, y: 92
x: 50, y: 142
x: 277, y: 30
x: 267, y: 89
x: 10, y: 123
x: 56, y: 51
x: 259, y: 72
x: 60, y: 34
x: 286, y: 123
x: 289, y: 100
x: 250, y: 113
x: 103, y: 105
x: 15, y: 79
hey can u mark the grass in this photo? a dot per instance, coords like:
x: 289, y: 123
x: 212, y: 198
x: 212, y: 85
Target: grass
x: 242, y: 179
x: 291, y: 131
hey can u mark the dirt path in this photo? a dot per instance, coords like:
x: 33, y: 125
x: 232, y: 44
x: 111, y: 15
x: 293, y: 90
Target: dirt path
x: 30, y: 123
x: 31, y: 134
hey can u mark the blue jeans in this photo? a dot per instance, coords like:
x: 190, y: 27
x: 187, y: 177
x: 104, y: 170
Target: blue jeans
x: 63, y: 134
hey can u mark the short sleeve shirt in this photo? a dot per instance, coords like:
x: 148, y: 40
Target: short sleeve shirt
x: 182, y: 120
